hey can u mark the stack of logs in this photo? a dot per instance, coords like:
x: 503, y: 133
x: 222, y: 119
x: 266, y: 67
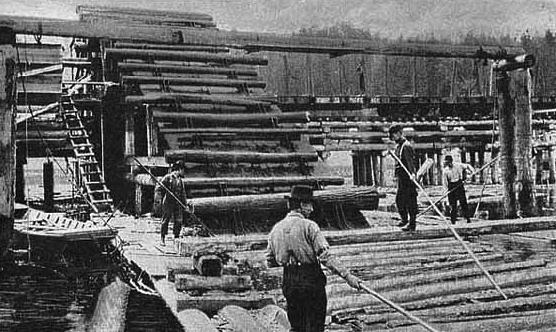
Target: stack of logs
x: 200, y: 109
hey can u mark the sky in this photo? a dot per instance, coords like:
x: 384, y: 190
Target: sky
x: 389, y: 18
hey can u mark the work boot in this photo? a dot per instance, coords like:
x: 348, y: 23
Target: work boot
x: 468, y: 220
x: 453, y: 221
x: 162, y: 243
x: 410, y: 227
x: 402, y: 223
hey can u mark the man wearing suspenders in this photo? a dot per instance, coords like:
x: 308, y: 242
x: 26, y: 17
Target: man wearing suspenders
x: 297, y: 244
x: 172, y: 210
x: 406, y: 196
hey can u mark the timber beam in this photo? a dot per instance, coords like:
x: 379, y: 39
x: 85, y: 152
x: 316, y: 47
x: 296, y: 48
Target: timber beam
x: 246, y: 40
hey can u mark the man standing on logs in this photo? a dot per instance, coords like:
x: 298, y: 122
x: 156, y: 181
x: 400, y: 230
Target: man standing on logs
x: 453, y: 180
x: 172, y: 210
x: 406, y: 196
x: 297, y: 244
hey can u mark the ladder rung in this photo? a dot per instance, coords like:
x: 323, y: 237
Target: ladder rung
x: 82, y: 145
x: 108, y: 200
x: 85, y: 154
x: 88, y: 183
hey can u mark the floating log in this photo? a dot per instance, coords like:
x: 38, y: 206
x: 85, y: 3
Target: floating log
x: 165, y: 98
x: 194, y: 320
x: 429, y: 278
x: 227, y: 59
x: 236, y: 319
x: 233, y: 83
x: 199, y: 70
x: 273, y: 318
x: 230, y: 120
x: 193, y: 183
x: 211, y: 303
x: 168, y: 47
x: 189, y: 282
x: 508, y: 279
x: 234, y: 157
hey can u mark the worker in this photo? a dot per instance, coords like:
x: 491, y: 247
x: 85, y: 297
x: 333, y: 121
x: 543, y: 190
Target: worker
x: 406, y: 196
x: 297, y: 244
x: 172, y: 210
x: 453, y: 180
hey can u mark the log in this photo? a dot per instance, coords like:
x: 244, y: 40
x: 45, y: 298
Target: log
x: 81, y: 9
x: 464, y: 312
x: 237, y: 319
x: 416, y: 146
x: 528, y: 321
x: 194, y: 183
x: 191, y: 48
x: 407, y: 282
x: 168, y: 98
x: 157, y: 20
x: 226, y: 59
x: 231, y: 120
x: 273, y: 319
x: 194, y: 320
x: 210, y: 303
x: 509, y: 279
x: 243, y: 131
x: 233, y: 83
x: 235, y: 157
x: 208, y: 265
x: 199, y: 70
x: 189, y: 282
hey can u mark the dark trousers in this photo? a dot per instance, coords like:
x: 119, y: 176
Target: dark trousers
x: 457, y: 195
x: 406, y: 200
x: 175, y: 215
x: 304, y: 290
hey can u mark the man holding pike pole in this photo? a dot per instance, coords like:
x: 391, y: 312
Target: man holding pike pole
x: 406, y: 196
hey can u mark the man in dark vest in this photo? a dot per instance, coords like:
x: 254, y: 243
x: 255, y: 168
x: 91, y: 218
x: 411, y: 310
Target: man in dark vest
x: 406, y: 196
x: 172, y: 210
x: 454, y: 176
x: 297, y: 244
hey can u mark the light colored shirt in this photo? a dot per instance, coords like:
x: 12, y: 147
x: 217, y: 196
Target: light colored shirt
x: 455, y: 173
x: 296, y: 240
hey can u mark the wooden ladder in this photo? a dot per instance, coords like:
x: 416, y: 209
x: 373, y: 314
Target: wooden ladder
x: 90, y: 174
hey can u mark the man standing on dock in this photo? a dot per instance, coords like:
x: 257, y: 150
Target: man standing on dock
x: 453, y: 180
x: 172, y: 210
x: 297, y: 244
x: 406, y: 196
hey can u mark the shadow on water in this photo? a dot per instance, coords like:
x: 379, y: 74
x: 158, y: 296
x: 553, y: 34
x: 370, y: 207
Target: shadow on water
x: 37, y: 297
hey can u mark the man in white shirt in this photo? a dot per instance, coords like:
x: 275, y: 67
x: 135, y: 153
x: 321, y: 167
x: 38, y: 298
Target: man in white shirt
x: 453, y: 180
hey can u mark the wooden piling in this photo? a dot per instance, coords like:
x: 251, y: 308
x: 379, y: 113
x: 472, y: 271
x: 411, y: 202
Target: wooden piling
x: 481, y: 164
x: 129, y: 139
x: 48, y: 185
x: 376, y: 168
x: 552, y: 164
x: 7, y: 134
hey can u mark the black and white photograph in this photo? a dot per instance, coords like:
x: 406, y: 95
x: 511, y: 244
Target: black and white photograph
x: 277, y: 165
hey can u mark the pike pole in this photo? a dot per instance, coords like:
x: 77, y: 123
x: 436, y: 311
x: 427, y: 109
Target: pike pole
x: 456, y: 235
x: 461, y: 184
x: 185, y: 207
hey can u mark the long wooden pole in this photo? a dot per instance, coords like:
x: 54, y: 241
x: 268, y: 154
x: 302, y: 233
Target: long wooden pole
x: 456, y: 235
x: 398, y: 308
x: 7, y: 135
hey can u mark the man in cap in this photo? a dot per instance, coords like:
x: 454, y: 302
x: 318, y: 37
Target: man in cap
x: 406, y: 196
x: 297, y: 244
x: 172, y: 210
x: 453, y: 180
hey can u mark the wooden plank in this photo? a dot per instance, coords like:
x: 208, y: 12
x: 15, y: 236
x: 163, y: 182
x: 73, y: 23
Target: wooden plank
x: 189, y: 282
x: 40, y: 71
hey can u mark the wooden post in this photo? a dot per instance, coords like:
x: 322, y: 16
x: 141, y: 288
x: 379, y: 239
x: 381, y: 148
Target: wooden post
x: 552, y: 164
x: 538, y: 166
x: 20, y: 176
x: 129, y: 149
x: 453, y: 82
x: 493, y: 168
x: 473, y: 162
x: 48, y: 186
x: 524, y: 141
x: 152, y: 139
x: 286, y: 75
x: 439, y: 169
x: 481, y: 164
x: 376, y: 168
x: 386, y: 75
x: 355, y: 167
x: 506, y: 118
x: 414, y: 71
x: 7, y: 135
